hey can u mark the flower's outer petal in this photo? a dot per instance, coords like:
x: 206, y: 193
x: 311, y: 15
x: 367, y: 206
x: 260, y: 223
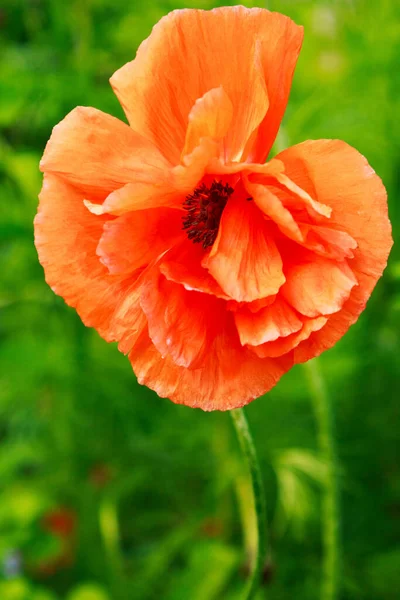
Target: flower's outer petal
x: 280, y: 49
x: 98, y: 153
x: 170, y: 188
x: 129, y: 321
x: 268, y: 324
x: 319, y: 286
x: 250, y: 52
x: 181, y: 324
x: 230, y: 377
x: 284, y: 345
x: 66, y: 238
x: 250, y: 109
x: 135, y: 239
x: 210, y: 117
x: 244, y: 258
x: 182, y: 264
x: 337, y: 175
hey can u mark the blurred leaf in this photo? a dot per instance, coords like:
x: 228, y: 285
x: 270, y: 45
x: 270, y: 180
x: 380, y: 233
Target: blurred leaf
x: 21, y: 589
x: 304, y: 462
x: 296, y: 471
x: 88, y: 591
x: 383, y: 574
x: 209, y: 568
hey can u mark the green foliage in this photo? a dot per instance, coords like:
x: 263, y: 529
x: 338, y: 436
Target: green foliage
x: 296, y: 472
x: 88, y: 591
x: 107, y: 491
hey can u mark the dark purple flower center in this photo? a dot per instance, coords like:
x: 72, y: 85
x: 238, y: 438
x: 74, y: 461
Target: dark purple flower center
x: 204, y: 210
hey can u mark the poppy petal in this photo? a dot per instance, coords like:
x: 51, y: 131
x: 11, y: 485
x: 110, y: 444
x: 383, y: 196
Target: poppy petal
x: 210, y: 117
x: 328, y: 242
x: 72, y: 267
x: 339, y: 176
x: 283, y: 345
x: 322, y: 239
x: 250, y: 110
x: 268, y: 324
x: 318, y: 287
x: 170, y: 188
x: 129, y: 321
x: 181, y: 323
x: 135, y: 239
x: 272, y: 207
x: 219, y: 384
x: 182, y: 264
x: 99, y: 153
x: 203, y: 49
x: 244, y: 258
x: 297, y: 195
x: 281, y: 44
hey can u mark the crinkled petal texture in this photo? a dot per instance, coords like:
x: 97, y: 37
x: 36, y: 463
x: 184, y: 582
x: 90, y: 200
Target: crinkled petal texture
x: 340, y: 177
x: 251, y: 53
x: 214, y: 271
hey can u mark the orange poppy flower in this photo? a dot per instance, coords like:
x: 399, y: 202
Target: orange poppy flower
x: 214, y: 270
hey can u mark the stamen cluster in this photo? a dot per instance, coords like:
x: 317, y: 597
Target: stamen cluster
x: 204, y: 210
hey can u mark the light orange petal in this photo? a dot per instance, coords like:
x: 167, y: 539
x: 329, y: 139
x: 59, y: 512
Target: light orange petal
x: 182, y: 264
x: 271, y: 206
x: 253, y: 307
x: 190, y: 52
x: 328, y: 242
x: 135, y: 239
x: 298, y: 196
x: 250, y: 109
x: 210, y: 117
x: 338, y: 323
x: 129, y: 321
x: 284, y: 345
x: 98, y: 153
x: 280, y: 48
x: 268, y: 324
x: 181, y: 324
x: 318, y: 286
x: 230, y: 377
x: 66, y: 238
x: 244, y: 258
x: 339, y: 176
x: 324, y: 240
x: 168, y: 189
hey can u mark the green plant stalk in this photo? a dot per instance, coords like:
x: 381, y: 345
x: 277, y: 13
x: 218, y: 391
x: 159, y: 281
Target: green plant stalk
x: 249, y: 452
x: 110, y: 533
x: 331, y: 511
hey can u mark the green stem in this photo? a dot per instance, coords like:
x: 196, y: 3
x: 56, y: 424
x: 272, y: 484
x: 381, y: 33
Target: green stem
x: 250, y: 455
x: 331, y: 512
x: 109, y: 530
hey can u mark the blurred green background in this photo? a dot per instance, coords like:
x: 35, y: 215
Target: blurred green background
x: 108, y: 492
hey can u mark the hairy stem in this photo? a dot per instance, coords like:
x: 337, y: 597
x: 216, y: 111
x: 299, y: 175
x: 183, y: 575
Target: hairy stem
x: 331, y: 512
